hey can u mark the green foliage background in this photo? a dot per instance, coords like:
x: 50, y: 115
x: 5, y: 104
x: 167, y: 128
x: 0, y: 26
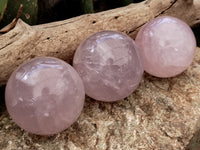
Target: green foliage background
x: 29, y: 11
x: 65, y: 9
x: 35, y: 11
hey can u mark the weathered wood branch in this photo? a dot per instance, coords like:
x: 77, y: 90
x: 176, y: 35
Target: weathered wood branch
x: 60, y: 39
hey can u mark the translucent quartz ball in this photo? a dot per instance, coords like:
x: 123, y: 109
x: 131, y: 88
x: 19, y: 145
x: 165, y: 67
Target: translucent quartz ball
x: 44, y: 96
x: 109, y: 65
x: 167, y: 46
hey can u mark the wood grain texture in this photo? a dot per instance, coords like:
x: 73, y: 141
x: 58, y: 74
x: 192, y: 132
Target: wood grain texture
x: 60, y: 39
x: 161, y: 114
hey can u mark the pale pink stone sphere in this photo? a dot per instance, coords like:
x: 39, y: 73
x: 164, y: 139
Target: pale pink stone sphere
x: 167, y: 46
x: 44, y: 96
x: 109, y: 65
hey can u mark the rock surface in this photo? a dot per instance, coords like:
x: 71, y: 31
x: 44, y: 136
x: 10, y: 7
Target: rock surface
x: 160, y: 114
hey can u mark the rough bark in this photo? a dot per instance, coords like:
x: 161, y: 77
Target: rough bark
x: 60, y: 39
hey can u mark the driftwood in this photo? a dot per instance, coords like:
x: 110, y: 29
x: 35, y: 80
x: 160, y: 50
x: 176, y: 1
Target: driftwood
x: 160, y: 114
x: 60, y: 39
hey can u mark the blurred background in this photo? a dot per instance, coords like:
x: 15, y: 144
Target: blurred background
x: 45, y: 11
x: 36, y: 12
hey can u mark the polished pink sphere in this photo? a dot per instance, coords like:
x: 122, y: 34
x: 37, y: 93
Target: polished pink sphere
x: 109, y: 65
x: 167, y: 46
x: 44, y: 96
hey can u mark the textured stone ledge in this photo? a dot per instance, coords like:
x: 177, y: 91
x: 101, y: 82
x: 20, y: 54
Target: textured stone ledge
x: 161, y: 114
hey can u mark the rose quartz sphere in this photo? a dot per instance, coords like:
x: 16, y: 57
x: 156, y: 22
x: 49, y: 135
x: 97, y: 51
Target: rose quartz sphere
x: 44, y: 96
x: 167, y: 46
x: 109, y: 65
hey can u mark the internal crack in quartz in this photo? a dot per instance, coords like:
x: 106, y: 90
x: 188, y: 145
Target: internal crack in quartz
x: 109, y: 64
